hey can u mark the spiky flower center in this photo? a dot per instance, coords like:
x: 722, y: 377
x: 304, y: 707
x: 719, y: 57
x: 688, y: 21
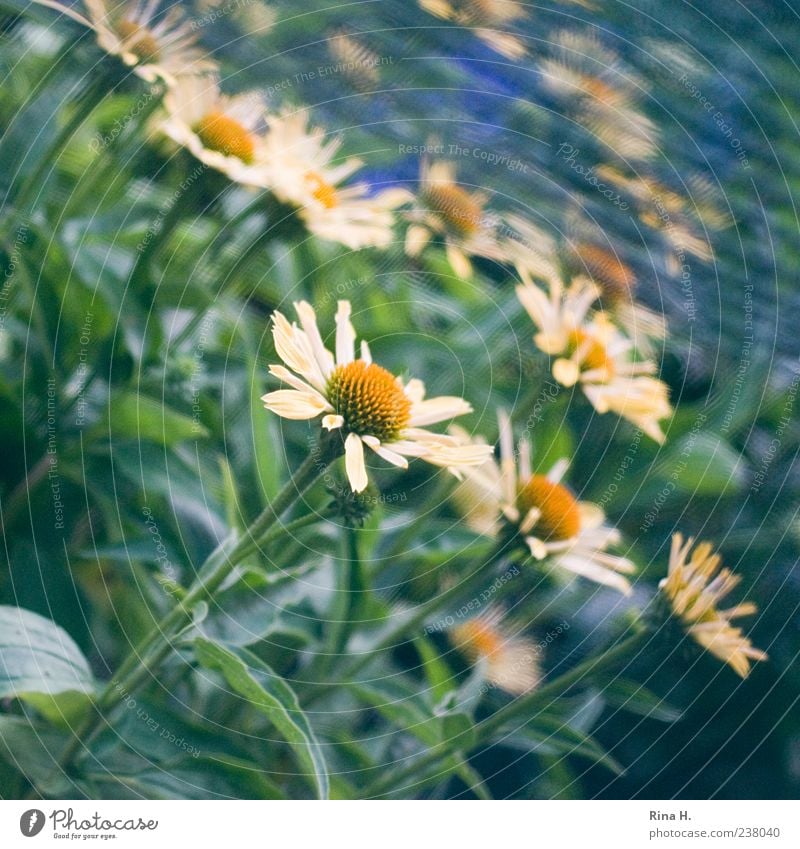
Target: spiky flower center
x: 614, y: 277
x: 138, y: 40
x: 594, y: 355
x: 322, y: 190
x: 559, y: 514
x: 477, y: 638
x: 223, y: 134
x: 370, y: 400
x: 455, y: 206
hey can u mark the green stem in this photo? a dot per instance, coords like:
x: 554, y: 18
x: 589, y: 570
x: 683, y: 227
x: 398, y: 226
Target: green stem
x: 523, y: 706
x: 351, y: 595
x: 157, y: 645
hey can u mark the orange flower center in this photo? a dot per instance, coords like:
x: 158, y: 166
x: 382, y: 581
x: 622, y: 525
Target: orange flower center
x: 560, y: 516
x: 323, y: 191
x: 477, y: 638
x: 455, y: 206
x: 601, y: 91
x: 594, y: 353
x: 223, y: 134
x: 614, y: 277
x: 139, y: 40
x: 370, y: 400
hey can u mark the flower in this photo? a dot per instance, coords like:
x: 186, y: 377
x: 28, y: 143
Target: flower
x: 449, y: 210
x: 540, y: 508
x: 617, y: 282
x: 364, y: 401
x: 302, y: 174
x: 155, y: 46
x: 220, y: 131
x: 693, y: 590
x: 484, y: 17
x: 511, y: 662
x: 601, y: 92
x: 595, y: 354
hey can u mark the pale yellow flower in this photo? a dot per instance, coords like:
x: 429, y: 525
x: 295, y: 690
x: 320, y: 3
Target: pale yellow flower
x: 155, y: 46
x: 451, y: 212
x: 303, y: 174
x: 601, y: 92
x: 594, y: 353
x: 510, y: 662
x: 486, y: 18
x: 694, y: 589
x: 221, y: 131
x: 551, y: 521
x: 366, y: 403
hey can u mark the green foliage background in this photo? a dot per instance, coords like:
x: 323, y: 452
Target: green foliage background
x: 161, y: 444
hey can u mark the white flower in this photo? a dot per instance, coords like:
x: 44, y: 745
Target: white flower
x: 595, y: 354
x: 156, y: 46
x: 484, y: 17
x: 693, y: 590
x: 220, y: 131
x: 364, y: 401
x: 552, y: 522
x: 511, y: 662
x: 449, y: 211
x: 303, y: 174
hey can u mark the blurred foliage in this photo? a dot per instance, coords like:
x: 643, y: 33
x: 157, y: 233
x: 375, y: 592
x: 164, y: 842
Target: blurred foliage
x: 134, y: 438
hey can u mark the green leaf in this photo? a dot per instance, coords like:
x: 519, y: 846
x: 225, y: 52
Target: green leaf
x: 135, y: 416
x: 252, y: 679
x: 704, y: 464
x: 630, y: 696
x: 41, y: 664
x: 33, y: 750
x: 437, y: 673
x: 552, y: 735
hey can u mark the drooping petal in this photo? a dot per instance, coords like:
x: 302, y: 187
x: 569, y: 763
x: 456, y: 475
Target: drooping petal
x: 332, y: 422
x: 354, y: 463
x: 390, y: 456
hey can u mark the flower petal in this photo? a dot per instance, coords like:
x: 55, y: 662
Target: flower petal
x: 345, y: 335
x: 354, y: 463
x: 438, y: 410
x: 292, y: 404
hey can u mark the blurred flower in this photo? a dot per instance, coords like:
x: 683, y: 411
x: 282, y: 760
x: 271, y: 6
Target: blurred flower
x: 617, y: 283
x: 484, y: 17
x: 220, y: 131
x: 551, y: 521
x: 511, y: 662
x: 446, y: 209
x: 156, y: 46
x: 302, y: 173
x: 356, y: 61
x: 255, y: 17
x: 677, y: 216
x: 595, y: 354
x: 368, y: 404
x: 693, y: 590
x: 601, y: 92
